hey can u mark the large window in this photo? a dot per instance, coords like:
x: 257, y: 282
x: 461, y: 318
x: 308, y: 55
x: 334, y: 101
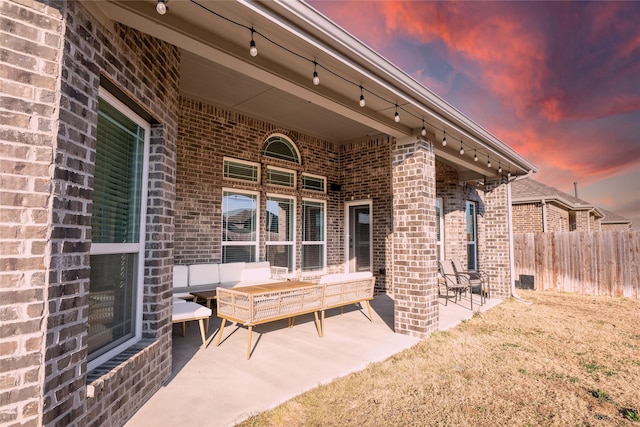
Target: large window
x: 313, y: 235
x: 280, y: 225
x: 117, y: 230
x: 239, y: 226
x: 472, y: 237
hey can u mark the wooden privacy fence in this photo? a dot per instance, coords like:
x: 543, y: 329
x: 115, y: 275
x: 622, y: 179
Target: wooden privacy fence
x: 598, y: 263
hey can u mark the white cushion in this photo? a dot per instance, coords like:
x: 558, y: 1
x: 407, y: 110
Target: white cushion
x: 344, y: 277
x: 189, y: 311
x: 180, y: 276
x: 177, y: 300
x: 231, y: 272
x: 203, y: 274
x: 256, y: 271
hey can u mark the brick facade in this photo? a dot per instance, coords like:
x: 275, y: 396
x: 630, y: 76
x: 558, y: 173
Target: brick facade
x: 31, y: 46
x: 527, y: 218
x: 208, y: 133
x: 494, y: 240
x: 56, y: 57
x: 415, y: 252
x: 61, y: 47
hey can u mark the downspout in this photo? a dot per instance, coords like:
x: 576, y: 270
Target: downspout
x: 544, y: 215
x: 512, y: 264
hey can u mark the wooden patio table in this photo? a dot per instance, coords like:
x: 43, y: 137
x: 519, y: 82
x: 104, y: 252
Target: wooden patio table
x: 257, y: 304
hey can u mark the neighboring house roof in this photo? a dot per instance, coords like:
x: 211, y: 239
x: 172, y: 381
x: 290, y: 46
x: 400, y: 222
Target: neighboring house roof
x: 613, y: 218
x: 527, y: 190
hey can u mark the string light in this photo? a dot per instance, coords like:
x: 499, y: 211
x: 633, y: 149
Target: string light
x: 499, y: 167
x: 316, y: 79
x: 509, y: 173
x: 253, y: 50
x: 475, y: 154
x: 444, y: 139
x: 161, y: 7
x: 423, y: 132
x: 488, y: 161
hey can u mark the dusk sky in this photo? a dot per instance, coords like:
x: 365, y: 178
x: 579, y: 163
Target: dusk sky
x: 557, y: 81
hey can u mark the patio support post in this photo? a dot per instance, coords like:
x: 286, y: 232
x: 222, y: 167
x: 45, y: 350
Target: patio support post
x: 494, y: 247
x: 414, y: 239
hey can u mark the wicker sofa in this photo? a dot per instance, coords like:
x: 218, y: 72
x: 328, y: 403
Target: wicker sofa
x: 210, y: 276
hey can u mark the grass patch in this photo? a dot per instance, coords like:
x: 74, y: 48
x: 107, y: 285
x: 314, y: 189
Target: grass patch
x: 516, y: 365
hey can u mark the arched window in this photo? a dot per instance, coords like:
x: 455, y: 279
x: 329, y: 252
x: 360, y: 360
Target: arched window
x: 280, y: 147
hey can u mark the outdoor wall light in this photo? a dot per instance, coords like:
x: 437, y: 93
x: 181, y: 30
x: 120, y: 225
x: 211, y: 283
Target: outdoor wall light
x: 161, y: 7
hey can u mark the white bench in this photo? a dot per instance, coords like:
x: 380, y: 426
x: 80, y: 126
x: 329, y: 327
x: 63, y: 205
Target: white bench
x: 185, y: 311
x: 210, y: 276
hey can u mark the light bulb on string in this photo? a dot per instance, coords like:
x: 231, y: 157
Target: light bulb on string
x: 461, y: 149
x: 499, y: 167
x: 475, y: 154
x: 253, y: 50
x: 316, y: 79
x: 444, y: 139
x: 396, y: 117
x: 488, y: 162
x: 423, y: 132
x: 362, y: 102
x: 161, y: 7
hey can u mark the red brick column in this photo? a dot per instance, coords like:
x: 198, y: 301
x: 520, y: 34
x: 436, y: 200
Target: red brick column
x: 414, y: 248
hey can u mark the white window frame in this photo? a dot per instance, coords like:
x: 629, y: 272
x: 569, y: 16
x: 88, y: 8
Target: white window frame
x: 323, y: 178
x: 472, y: 243
x: 131, y: 248
x: 285, y: 137
x: 244, y: 162
x: 293, y: 234
x: 313, y: 242
x: 290, y: 171
x: 347, y: 228
x: 256, y: 244
x: 440, y: 219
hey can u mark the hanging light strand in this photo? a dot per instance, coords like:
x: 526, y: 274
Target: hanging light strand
x: 316, y: 79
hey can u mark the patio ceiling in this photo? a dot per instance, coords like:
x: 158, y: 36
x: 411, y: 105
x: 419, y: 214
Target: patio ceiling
x: 276, y: 84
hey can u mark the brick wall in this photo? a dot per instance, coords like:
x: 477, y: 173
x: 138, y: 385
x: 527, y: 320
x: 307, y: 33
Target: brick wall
x: 527, y: 218
x: 31, y: 46
x: 208, y: 133
x: 365, y: 174
x: 557, y: 218
x: 454, y: 196
x: 494, y: 240
x: 414, y: 252
x: 64, y: 48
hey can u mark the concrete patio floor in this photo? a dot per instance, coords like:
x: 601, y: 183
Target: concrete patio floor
x: 218, y: 386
